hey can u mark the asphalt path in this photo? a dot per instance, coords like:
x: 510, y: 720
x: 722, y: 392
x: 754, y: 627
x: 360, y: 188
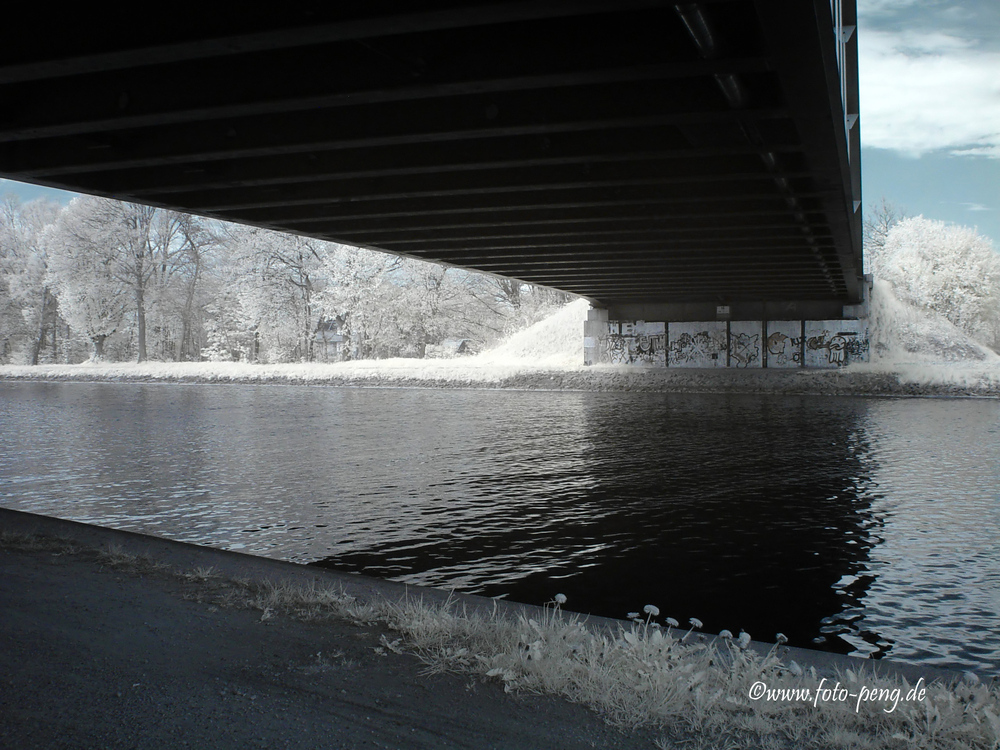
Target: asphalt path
x: 96, y: 653
x: 94, y: 656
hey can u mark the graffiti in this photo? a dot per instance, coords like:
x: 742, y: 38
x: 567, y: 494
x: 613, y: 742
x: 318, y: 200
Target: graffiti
x: 744, y: 349
x: 700, y: 349
x: 635, y: 342
x: 835, y: 343
x: 783, y: 350
x: 641, y: 348
x: 617, y: 349
x: 651, y: 349
x: 838, y: 346
x: 825, y: 344
x: 838, y: 350
x: 858, y: 348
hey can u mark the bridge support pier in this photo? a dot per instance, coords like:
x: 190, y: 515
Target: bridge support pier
x: 692, y: 340
x: 595, y: 335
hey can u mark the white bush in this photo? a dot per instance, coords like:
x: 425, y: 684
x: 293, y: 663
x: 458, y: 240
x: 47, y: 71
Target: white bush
x: 947, y: 269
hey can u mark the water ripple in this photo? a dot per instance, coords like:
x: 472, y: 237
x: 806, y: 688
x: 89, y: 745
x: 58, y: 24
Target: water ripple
x: 862, y: 526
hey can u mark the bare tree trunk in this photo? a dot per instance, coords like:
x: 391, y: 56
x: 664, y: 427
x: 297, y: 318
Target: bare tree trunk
x: 182, y: 350
x: 98, y: 341
x: 39, y: 342
x: 194, y: 246
x: 187, y: 321
x: 307, y: 332
x: 140, y: 317
x: 141, y: 222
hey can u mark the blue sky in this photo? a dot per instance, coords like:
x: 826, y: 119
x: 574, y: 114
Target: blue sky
x: 930, y: 110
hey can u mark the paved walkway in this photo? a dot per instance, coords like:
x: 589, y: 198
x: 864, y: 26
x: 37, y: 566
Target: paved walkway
x: 94, y: 657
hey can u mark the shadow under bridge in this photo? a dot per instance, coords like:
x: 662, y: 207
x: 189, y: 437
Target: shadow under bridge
x: 638, y: 153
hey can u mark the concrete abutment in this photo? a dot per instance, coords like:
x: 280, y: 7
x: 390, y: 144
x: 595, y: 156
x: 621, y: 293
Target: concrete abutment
x: 778, y: 335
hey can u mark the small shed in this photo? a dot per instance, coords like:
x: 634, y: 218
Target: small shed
x: 330, y: 339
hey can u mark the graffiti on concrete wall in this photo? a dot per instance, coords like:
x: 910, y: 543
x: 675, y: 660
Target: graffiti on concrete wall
x: 636, y: 343
x: 697, y: 344
x: 826, y: 343
x: 784, y: 343
x: 835, y: 343
x: 744, y: 344
x: 831, y: 348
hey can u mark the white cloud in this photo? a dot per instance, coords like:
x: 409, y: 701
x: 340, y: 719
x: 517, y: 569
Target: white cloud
x: 922, y: 92
x: 875, y: 7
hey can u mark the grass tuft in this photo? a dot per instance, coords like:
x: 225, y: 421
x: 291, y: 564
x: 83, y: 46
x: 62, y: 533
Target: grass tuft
x: 115, y: 556
x: 18, y: 542
x: 309, y: 603
x: 696, y: 692
x: 200, y: 575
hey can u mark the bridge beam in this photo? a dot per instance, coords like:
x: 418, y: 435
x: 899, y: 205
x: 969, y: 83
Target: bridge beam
x: 660, y: 159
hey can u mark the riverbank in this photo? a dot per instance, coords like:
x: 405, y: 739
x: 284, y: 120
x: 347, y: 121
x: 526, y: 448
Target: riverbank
x: 115, y: 639
x: 974, y: 380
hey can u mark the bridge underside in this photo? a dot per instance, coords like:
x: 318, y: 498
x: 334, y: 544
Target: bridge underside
x: 637, y: 153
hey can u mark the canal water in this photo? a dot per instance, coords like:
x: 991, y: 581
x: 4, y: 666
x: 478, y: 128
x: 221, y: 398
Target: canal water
x: 864, y: 526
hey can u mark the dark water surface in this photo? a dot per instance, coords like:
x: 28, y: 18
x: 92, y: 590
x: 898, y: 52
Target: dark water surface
x: 866, y: 526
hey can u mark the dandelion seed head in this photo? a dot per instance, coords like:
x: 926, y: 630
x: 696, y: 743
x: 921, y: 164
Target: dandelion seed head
x: 632, y: 616
x: 672, y: 622
x: 781, y: 638
x: 652, y: 610
x: 744, y: 639
x: 727, y: 634
x: 696, y: 623
x: 560, y: 598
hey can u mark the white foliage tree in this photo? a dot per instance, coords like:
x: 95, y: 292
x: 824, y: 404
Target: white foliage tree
x: 139, y: 248
x: 123, y: 273
x: 393, y: 306
x: 92, y: 297
x: 948, y: 269
x: 269, y: 286
x: 361, y: 292
x: 879, y: 219
x: 193, y: 283
x: 28, y: 311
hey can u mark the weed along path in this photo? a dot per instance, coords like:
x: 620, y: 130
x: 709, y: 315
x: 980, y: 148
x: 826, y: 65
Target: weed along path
x: 113, y: 639
x: 103, y: 648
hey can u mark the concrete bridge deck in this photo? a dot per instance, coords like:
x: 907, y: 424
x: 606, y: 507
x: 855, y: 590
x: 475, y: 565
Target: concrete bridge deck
x: 636, y: 152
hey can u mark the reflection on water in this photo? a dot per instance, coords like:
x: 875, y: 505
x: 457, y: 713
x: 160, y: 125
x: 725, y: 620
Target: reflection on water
x: 936, y: 588
x: 864, y: 526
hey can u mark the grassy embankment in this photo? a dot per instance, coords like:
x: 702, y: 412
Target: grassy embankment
x: 694, y: 690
